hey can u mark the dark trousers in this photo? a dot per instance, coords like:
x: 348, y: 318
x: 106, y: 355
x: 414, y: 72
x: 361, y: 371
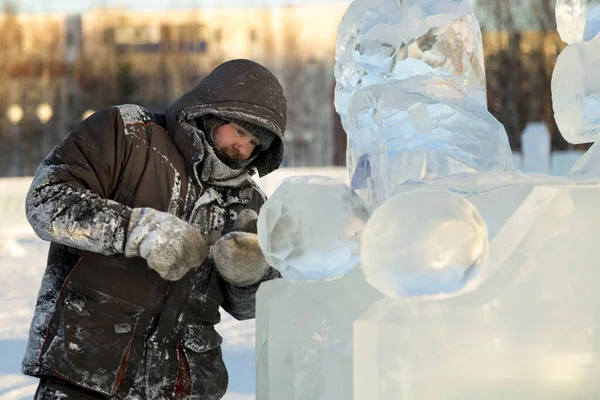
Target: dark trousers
x: 57, y: 389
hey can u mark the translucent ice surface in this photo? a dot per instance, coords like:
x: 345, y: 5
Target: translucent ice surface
x: 576, y: 92
x: 423, y: 242
x: 588, y: 165
x: 529, y: 330
x: 380, y: 40
x: 577, y: 20
x: 304, y: 337
x: 310, y: 228
x: 524, y: 327
x: 421, y: 127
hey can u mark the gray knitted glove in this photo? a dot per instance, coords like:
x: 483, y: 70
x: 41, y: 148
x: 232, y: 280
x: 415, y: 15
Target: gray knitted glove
x: 239, y: 259
x: 171, y: 246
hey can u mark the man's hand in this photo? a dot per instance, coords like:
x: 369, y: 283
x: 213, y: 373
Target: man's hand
x: 246, y: 221
x: 237, y: 255
x: 239, y: 259
x: 171, y: 246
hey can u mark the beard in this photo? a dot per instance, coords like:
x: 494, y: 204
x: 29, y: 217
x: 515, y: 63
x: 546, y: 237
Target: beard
x: 232, y: 153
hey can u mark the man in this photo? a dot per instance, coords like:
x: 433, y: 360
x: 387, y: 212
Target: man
x: 151, y: 218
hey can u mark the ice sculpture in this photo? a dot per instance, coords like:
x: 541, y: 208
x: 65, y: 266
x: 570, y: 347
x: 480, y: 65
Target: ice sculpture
x: 575, y: 80
x: 381, y: 40
x: 423, y: 242
x: 525, y: 329
x: 576, y: 83
x: 577, y: 20
x: 309, y: 228
x: 405, y: 48
x: 422, y: 127
x: 576, y: 92
x: 304, y: 341
x: 524, y: 326
x: 588, y: 166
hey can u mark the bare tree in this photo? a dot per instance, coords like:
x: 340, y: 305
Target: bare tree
x: 503, y: 65
x: 521, y: 46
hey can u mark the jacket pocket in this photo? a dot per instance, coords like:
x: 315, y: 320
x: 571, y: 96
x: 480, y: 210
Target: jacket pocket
x: 93, y: 339
x: 202, y: 349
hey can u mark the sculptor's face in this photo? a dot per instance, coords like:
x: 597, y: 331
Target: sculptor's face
x: 234, y: 141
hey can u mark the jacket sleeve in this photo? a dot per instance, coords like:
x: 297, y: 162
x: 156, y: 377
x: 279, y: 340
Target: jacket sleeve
x: 240, y: 302
x: 67, y: 201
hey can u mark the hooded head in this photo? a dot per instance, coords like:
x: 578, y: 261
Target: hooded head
x: 237, y: 143
x: 241, y: 92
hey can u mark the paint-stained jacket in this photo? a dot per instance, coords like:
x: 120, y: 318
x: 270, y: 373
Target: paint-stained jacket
x: 109, y: 323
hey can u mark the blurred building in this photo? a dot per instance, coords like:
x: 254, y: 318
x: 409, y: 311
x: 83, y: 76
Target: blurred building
x: 107, y: 56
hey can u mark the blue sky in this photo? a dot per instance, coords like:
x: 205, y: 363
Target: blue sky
x: 69, y: 6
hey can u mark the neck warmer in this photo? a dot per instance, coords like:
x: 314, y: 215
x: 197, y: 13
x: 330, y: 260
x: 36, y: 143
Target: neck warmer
x: 213, y: 171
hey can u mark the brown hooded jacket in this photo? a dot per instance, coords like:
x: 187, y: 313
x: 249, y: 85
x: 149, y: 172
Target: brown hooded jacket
x: 110, y: 324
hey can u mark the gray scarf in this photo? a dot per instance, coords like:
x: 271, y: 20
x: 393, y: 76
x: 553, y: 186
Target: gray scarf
x: 212, y: 171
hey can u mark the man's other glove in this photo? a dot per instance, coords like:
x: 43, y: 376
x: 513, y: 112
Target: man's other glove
x: 246, y: 221
x: 238, y: 256
x: 239, y: 259
x: 171, y: 246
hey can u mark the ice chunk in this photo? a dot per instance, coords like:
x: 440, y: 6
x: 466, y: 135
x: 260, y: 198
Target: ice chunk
x: 310, y: 228
x: 577, y: 20
x: 576, y: 92
x: 535, y: 144
x: 304, y: 337
x: 521, y: 210
x: 422, y: 127
x: 423, y: 242
x: 379, y: 40
x: 526, y: 332
x: 589, y: 164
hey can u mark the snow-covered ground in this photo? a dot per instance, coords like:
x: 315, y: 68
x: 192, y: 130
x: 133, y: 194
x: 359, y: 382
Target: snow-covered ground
x: 22, y: 262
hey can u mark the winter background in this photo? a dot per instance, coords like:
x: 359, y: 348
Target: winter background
x: 22, y: 254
